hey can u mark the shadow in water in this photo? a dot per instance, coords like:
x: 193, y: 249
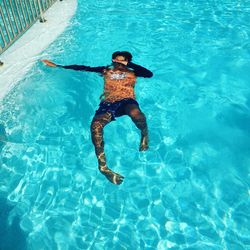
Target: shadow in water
x: 11, y: 235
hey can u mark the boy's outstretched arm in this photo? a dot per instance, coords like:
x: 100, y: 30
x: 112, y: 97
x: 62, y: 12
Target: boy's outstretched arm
x: 49, y: 63
x: 76, y: 67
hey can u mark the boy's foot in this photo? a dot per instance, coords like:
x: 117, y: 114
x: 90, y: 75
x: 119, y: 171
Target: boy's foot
x: 144, y: 143
x: 113, y: 177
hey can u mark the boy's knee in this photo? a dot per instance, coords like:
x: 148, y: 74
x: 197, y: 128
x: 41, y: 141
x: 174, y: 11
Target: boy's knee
x: 95, y: 125
x: 100, y: 122
x: 136, y: 114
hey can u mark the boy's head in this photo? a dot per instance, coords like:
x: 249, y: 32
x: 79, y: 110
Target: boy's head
x: 122, y: 56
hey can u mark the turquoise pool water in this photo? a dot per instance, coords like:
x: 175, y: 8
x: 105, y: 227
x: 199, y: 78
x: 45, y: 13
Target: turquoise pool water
x: 190, y: 190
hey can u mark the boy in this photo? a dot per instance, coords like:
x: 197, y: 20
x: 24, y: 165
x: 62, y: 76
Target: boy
x: 117, y: 99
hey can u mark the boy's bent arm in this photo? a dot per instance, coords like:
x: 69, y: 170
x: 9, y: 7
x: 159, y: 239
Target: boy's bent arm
x: 139, y: 70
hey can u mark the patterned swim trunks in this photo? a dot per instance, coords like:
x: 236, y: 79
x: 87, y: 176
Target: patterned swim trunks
x: 115, y: 108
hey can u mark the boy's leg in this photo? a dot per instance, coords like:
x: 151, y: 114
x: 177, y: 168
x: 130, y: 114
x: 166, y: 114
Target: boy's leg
x: 97, y: 125
x: 133, y: 111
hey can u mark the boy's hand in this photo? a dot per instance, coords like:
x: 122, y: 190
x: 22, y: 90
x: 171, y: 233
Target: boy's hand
x: 49, y: 63
x: 121, y: 62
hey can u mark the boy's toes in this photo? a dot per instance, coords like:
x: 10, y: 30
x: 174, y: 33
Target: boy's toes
x: 117, y: 179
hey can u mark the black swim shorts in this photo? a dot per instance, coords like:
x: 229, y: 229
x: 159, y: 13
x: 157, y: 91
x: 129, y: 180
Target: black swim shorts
x: 115, y: 108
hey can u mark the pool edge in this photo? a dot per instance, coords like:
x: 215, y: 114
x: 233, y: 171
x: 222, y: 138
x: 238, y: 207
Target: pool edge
x: 20, y: 57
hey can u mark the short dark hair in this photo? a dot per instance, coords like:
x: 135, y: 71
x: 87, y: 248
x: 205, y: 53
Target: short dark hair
x: 126, y: 54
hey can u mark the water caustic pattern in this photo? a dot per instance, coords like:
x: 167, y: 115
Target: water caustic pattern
x: 190, y: 190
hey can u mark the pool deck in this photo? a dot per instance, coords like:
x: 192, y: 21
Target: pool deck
x: 20, y: 57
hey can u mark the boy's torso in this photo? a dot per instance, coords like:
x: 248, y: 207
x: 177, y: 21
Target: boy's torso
x: 118, y: 84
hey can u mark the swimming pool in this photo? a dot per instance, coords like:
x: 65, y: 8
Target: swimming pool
x: 190, y: 190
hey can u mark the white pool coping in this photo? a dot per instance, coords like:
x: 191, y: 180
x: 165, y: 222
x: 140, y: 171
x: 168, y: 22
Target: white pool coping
x: 19, y: 58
